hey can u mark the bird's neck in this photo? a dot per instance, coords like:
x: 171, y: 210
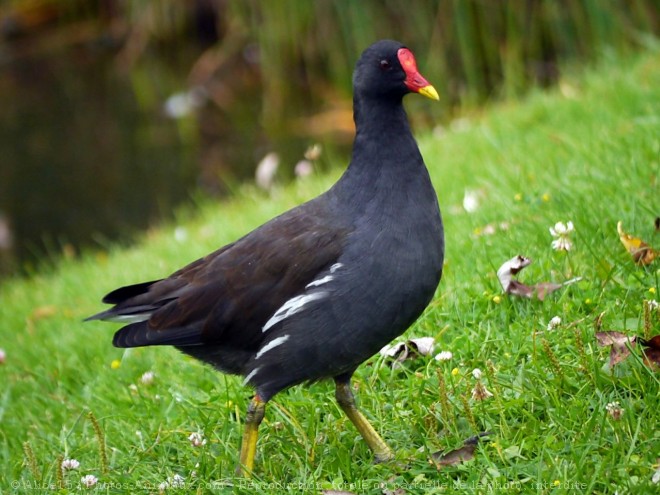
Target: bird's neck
x: 385, y: 158
x: 379, y: 120
x: 383, y: 139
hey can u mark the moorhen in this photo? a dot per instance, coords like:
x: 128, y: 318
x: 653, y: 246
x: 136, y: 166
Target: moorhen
x: 319, y: 289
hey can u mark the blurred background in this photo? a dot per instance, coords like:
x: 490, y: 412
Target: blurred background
x: 113, y: 113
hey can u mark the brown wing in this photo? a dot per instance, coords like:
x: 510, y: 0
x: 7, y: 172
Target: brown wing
x: 227, y: 296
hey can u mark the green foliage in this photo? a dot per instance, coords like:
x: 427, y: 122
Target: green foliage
x: 474, y: 49
x: 587, y: 152
x: 478, y: 49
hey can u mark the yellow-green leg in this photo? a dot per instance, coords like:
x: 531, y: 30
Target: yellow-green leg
x: 346, y: 401
x: 255, y: 414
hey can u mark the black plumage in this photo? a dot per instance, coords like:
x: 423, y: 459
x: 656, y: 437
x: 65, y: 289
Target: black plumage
x: 319, y: 289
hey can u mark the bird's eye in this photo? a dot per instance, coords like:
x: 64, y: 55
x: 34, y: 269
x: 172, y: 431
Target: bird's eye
x: 385, y: 64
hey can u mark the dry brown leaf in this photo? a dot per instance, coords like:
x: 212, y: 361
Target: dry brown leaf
x: 43, y: 312
x: 620, y: 343
x: 463, y: 454
x: 651, y: 351
x: 410, y: 349
x: 460, y: 455
x: 509, y: 269
x: 40, y: 313
x: 642, y: 253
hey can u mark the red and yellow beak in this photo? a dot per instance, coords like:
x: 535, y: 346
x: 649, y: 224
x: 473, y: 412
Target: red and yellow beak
x: 414, y: 80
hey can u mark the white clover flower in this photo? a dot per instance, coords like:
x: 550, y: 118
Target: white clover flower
x: 184, y: 103
x: 314, y: 152
x: 653, y: 305
x: 480, y: 392
x: 444, y: 356
x: 303, y: 168
x: 3, y: 356
x: 477, y: 373
x: 264, y: 176
x: 177, y: 481
x: 147, y: 378
x: 89, y: 480
x: 197, y: 439
x: 561, y: 234
x: 489, y: 229
x: 561, y: 229
x: 562, y: 244
x: 69, y: 464
x: 615, y: 410
x: 470, y: 201
x: 554, y: 322
x: 180, y: 234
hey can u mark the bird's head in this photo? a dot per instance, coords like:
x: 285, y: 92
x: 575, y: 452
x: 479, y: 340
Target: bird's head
x: 389, y: 69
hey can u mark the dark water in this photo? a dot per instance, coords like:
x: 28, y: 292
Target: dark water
x: 88, y: 155
x: 82, y: 160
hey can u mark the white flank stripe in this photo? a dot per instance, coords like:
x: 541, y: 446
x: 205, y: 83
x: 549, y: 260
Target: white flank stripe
x: 271, y: 345
x: 128, y: 318
x: 327, y: 278
x: 250, y: 376
x: 291, y: 307
x: 320, y: 281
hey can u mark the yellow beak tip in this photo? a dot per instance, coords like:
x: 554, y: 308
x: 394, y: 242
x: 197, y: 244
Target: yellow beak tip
x: 429, y: 91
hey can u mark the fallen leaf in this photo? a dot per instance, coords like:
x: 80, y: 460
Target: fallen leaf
x: 313, y: 152
x: 264, y: 175
x: 463, y: 454
x: 642, y: 253
x: 460, y: 455
x: 410, y: 349
x: 620, y: 342
x: 653, y: 342
x: 509, y: 269
x: 40, y: 313
x: 43, y: 312
x: 480, y: 392
x: 651, y: 351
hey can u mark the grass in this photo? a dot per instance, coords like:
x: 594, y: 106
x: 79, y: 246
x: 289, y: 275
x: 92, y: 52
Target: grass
x: 587, y: 152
